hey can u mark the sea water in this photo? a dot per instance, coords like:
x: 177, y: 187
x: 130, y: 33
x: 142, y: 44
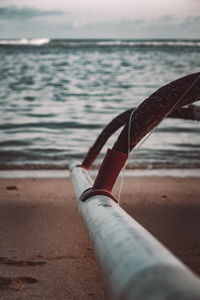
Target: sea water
x: 57, y: 95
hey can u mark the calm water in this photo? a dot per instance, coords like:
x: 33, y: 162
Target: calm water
x: 56, y: 96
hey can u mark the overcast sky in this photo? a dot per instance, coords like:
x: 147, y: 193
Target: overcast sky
x: 100, y: 18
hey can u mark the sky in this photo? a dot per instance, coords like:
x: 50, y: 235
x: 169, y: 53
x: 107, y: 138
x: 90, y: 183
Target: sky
x: 119, y: 19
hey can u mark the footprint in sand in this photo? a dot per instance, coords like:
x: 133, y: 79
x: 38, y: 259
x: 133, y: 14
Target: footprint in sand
x: 17, y: 283
x: 12, y: 187
x: 20, y: 263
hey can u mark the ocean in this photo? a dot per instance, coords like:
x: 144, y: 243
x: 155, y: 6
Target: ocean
x: 57, y: 95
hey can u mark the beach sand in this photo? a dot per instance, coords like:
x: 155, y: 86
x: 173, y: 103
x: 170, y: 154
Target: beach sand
x: 45, y: 252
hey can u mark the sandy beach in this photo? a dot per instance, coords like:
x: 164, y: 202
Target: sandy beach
x: 45, y: 252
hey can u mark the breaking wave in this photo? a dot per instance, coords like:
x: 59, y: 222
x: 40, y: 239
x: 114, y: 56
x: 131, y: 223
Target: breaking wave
x: 31, y: 42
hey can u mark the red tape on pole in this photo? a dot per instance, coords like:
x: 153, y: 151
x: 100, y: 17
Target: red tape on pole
x: 107, y: 175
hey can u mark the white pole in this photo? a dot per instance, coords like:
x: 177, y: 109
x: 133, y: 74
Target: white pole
x: 134, y: 264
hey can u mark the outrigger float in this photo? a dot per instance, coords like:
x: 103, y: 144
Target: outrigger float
x: 134, y: 264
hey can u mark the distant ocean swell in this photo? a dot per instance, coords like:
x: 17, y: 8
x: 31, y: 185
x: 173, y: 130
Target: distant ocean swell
x: 57, y: 95
x: 98, y: 43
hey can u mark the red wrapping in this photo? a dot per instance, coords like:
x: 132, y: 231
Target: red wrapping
x: 109, y: 170
x: 107, y: 175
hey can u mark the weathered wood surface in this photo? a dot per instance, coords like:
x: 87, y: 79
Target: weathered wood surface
x: 154, y: 109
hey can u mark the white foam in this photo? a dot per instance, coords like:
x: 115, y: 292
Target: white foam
x: 24, y: 41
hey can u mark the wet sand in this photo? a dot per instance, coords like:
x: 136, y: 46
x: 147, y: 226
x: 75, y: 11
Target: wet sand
x: 45, y: 252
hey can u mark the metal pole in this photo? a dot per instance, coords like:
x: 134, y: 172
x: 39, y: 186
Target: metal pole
x: 134, y: 264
